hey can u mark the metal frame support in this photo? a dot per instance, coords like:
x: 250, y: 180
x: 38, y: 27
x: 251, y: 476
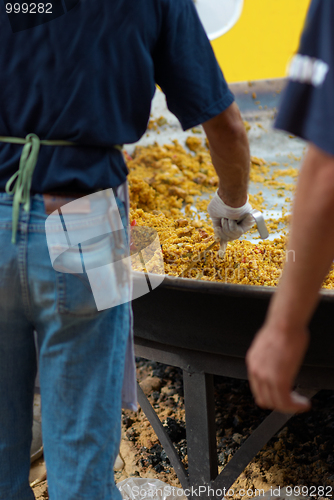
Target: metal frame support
x: 163, y: 437
x: 200, y: 422
x: 200, y: 427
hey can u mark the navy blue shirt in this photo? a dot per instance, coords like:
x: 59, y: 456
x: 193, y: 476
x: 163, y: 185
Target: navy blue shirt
x: 307, y: 108
x: 88, y: 75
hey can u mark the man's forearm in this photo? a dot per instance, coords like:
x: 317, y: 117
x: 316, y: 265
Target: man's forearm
x: 233, y: 175
x: 230, y: 155
x: 311, y: 245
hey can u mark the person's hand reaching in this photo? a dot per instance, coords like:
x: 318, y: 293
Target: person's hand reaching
x: 229, y: 223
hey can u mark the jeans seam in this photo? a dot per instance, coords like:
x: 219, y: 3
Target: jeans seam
x: 61, y: 295
x: 23, y: 271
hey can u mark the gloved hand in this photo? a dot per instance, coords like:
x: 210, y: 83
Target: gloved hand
x: 226, y: 221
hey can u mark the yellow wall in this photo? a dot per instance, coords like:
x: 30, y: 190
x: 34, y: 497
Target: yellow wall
x: 261, y: 43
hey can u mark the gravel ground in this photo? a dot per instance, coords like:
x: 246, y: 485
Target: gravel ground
x: 302, y: 454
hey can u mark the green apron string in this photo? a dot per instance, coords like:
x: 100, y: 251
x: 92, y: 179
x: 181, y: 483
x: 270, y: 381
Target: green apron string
x: 19, y: 184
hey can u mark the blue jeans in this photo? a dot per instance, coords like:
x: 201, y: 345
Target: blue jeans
x: 81, y: 366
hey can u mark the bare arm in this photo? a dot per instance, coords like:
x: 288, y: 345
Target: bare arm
x: 230, y: 155
x: 276, y: 354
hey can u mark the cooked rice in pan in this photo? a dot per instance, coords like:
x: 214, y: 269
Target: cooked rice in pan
x: 164, y: 184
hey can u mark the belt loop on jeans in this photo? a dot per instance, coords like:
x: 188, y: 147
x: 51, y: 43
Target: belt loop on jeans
x: 20, y: 183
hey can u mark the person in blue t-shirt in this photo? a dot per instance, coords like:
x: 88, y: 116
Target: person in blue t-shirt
x: 77, y: 79
x: 307, y: 110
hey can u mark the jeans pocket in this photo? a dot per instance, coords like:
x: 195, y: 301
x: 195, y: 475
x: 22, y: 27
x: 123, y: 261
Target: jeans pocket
x: 83, y: 292
x: 74, y: 295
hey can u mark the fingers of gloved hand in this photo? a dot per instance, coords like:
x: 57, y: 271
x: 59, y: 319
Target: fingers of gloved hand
x: 216, y: 222
x: 247, y: 223
x: 231, y: 230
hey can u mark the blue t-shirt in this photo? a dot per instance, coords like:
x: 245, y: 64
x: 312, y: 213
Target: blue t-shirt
x: 307, y: 108
x: 87, y: 74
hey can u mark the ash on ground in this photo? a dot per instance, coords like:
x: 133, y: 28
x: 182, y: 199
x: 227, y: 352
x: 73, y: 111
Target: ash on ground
x: 302, y: 453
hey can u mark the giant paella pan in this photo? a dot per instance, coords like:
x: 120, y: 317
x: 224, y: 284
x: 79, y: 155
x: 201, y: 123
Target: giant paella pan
x: 218, y: 310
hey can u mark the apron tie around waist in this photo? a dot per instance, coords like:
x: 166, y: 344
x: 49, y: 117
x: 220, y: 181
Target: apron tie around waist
x: 20, y: 183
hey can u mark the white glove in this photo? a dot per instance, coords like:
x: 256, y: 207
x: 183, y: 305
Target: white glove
x: 226, y: 221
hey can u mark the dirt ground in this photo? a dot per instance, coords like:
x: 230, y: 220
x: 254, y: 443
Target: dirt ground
x: 301, y: 454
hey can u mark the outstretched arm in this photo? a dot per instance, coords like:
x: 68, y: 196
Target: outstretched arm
x: 277, y: 351
x: 229, y: 208
x: 230, y: 155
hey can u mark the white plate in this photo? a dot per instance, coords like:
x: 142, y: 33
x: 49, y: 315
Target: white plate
x: 218, y: 16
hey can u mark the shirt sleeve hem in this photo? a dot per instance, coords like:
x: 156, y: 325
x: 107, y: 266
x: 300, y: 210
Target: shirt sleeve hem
x: 211, y: 112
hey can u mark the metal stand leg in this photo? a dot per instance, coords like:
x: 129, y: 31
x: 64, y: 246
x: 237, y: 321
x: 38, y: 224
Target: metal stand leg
x: 249, y: 449
x: 256, y: 441
x: 201, y: 437
x: 163, y: 437
x: 200, y: 427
